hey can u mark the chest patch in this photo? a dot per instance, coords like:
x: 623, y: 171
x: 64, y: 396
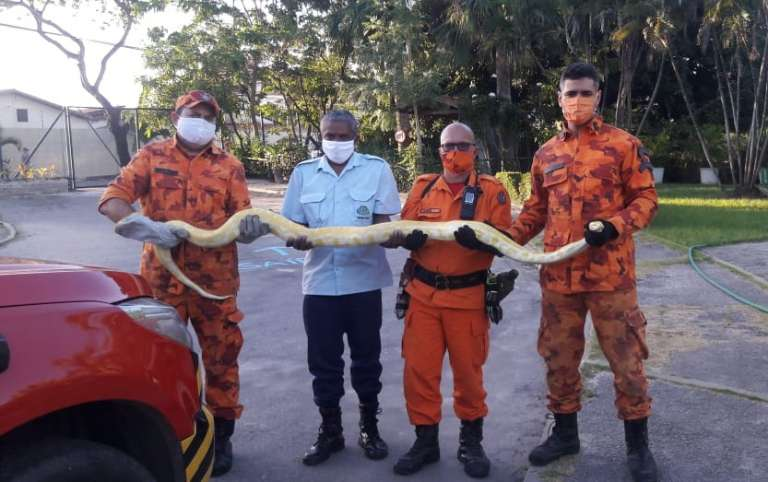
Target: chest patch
x: 169, y: 172
x: 431, y: 211
x: 363, y: 212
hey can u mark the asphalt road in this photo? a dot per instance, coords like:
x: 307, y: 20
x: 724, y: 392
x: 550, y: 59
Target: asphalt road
x: 280, y: 420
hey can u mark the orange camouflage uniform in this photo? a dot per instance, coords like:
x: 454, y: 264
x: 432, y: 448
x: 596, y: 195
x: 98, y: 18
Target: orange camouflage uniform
x: 454, y: 320
x: 604, y: 173
x: 205, y: 192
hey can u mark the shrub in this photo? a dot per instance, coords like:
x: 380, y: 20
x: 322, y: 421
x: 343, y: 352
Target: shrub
x: 517, y: 184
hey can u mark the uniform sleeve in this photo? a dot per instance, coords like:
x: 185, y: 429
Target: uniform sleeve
x: 133, y: 181
x: 533, y: 216
x: 387, y: 196
x: 639, y: 192
x: 292, y: 201
x: 411, y: 207
x: 239, y: 197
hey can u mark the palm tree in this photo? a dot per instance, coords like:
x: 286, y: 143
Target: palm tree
x: 740, y: 52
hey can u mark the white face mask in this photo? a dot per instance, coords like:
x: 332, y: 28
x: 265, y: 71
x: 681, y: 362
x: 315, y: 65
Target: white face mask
x: 338, y: 152
x: 195, y: 130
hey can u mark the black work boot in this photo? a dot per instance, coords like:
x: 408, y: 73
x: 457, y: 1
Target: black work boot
x: 370, y: 441
x: 564, y: 440
x: 222, y: 449
x: 639, y: 457
x: 329, y: 437
x: 471, y: 452
x: 425, y: 450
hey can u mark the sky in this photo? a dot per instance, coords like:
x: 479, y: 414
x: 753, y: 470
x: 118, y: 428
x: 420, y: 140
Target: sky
x: 30, y: 64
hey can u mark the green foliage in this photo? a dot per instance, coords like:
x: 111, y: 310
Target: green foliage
x: 675, y: 145
x: 517, y: 184
x: 694, y: 214
x: 494, y: 64
x: 283, y: 156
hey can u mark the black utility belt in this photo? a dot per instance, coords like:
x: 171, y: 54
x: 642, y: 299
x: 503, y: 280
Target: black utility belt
x: 442, y: 282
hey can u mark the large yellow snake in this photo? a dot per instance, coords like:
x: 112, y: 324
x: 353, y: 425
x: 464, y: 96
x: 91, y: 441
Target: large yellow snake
x: 352, y: 236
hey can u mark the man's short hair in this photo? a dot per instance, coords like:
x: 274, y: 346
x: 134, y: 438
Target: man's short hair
x: 580, y: 70
x: 341, y: 116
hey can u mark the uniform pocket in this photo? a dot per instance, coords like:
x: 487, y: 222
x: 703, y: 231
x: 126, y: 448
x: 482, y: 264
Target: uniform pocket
x: 311, y: 204
x: 637, y: 322
x: 211, y: 195
x: 480, y: 329
x: 362, y: 205
x: 558, y: 195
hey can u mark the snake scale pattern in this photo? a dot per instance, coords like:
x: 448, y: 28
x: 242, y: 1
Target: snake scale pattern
x: 352, y: 236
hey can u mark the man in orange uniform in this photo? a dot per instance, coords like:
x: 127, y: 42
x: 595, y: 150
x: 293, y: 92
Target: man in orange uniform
x: 190, y: 179
x: 447, y: 301
x: 591, y: 172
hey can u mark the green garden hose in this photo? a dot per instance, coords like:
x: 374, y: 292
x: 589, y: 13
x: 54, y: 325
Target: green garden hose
x: 717, y: 285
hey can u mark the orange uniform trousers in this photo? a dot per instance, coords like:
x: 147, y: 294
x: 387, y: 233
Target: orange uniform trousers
x: 429, y: 332
x: 218, y: 333
x: 620, y: 328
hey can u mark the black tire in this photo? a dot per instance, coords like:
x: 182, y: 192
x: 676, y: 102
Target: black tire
x: 70, y: 460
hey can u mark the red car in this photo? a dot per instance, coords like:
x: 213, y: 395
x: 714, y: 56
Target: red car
x: 98, y: 380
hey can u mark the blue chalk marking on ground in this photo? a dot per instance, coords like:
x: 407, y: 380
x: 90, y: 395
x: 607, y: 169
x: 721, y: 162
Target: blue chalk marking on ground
x: 282, y: 257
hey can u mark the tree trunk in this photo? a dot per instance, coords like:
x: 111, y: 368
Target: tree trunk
x: 653, y: 95
x: 503, y: 73
x: 119, y: 130
x: 691, y: 114
x: 628, y: 57
x: 505, y: 138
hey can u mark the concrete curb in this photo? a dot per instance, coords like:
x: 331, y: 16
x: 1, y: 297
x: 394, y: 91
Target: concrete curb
x: 565, y: 466
x: 11, y: 232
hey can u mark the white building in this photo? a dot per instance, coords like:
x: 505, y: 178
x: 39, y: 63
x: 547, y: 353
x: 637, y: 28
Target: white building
x: 27, y: 119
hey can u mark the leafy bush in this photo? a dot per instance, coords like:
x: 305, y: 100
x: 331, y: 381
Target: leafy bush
x: 676, y: 145
x: 283, y: 156
x: 518, y: 184
x: 409, y: 164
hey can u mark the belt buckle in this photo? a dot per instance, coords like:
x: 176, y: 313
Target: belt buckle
x: 441, y: 281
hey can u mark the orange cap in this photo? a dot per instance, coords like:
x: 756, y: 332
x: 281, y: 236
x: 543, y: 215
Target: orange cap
x: 195, y: 97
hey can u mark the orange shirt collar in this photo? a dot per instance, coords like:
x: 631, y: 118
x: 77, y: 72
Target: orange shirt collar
x: 441, y: 184
x: 595, y: 126
x: 212, y: 147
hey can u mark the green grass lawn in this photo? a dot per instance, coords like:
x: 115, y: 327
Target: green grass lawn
x: 695, y: 214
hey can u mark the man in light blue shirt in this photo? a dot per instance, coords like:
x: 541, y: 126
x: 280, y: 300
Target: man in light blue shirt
x: 342, y: 286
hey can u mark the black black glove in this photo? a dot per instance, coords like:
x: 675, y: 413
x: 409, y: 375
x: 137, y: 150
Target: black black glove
x: 415, y: 240
x: 466, y: 237
x: 598, y: 238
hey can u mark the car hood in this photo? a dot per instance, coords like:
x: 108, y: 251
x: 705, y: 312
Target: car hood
x: 29, y: 281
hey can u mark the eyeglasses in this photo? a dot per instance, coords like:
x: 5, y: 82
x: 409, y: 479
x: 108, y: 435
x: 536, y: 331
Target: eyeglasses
x: 456, y: 146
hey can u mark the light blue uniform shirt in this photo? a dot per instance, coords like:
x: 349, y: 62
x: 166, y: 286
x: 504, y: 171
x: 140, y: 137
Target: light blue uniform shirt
x: 317, y: 197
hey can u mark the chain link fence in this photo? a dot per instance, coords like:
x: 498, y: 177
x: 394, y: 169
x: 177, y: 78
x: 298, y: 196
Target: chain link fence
x: 77, y: 143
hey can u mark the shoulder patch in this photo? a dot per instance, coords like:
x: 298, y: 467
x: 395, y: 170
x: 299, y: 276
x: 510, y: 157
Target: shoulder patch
x: 502, y: 198
x: 645, y: 159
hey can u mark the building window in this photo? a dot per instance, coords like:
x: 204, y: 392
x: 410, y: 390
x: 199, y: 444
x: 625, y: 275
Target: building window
x: 22, y: 115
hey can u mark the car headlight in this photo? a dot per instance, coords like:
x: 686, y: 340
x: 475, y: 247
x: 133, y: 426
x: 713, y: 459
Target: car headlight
x: 159, y: 317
